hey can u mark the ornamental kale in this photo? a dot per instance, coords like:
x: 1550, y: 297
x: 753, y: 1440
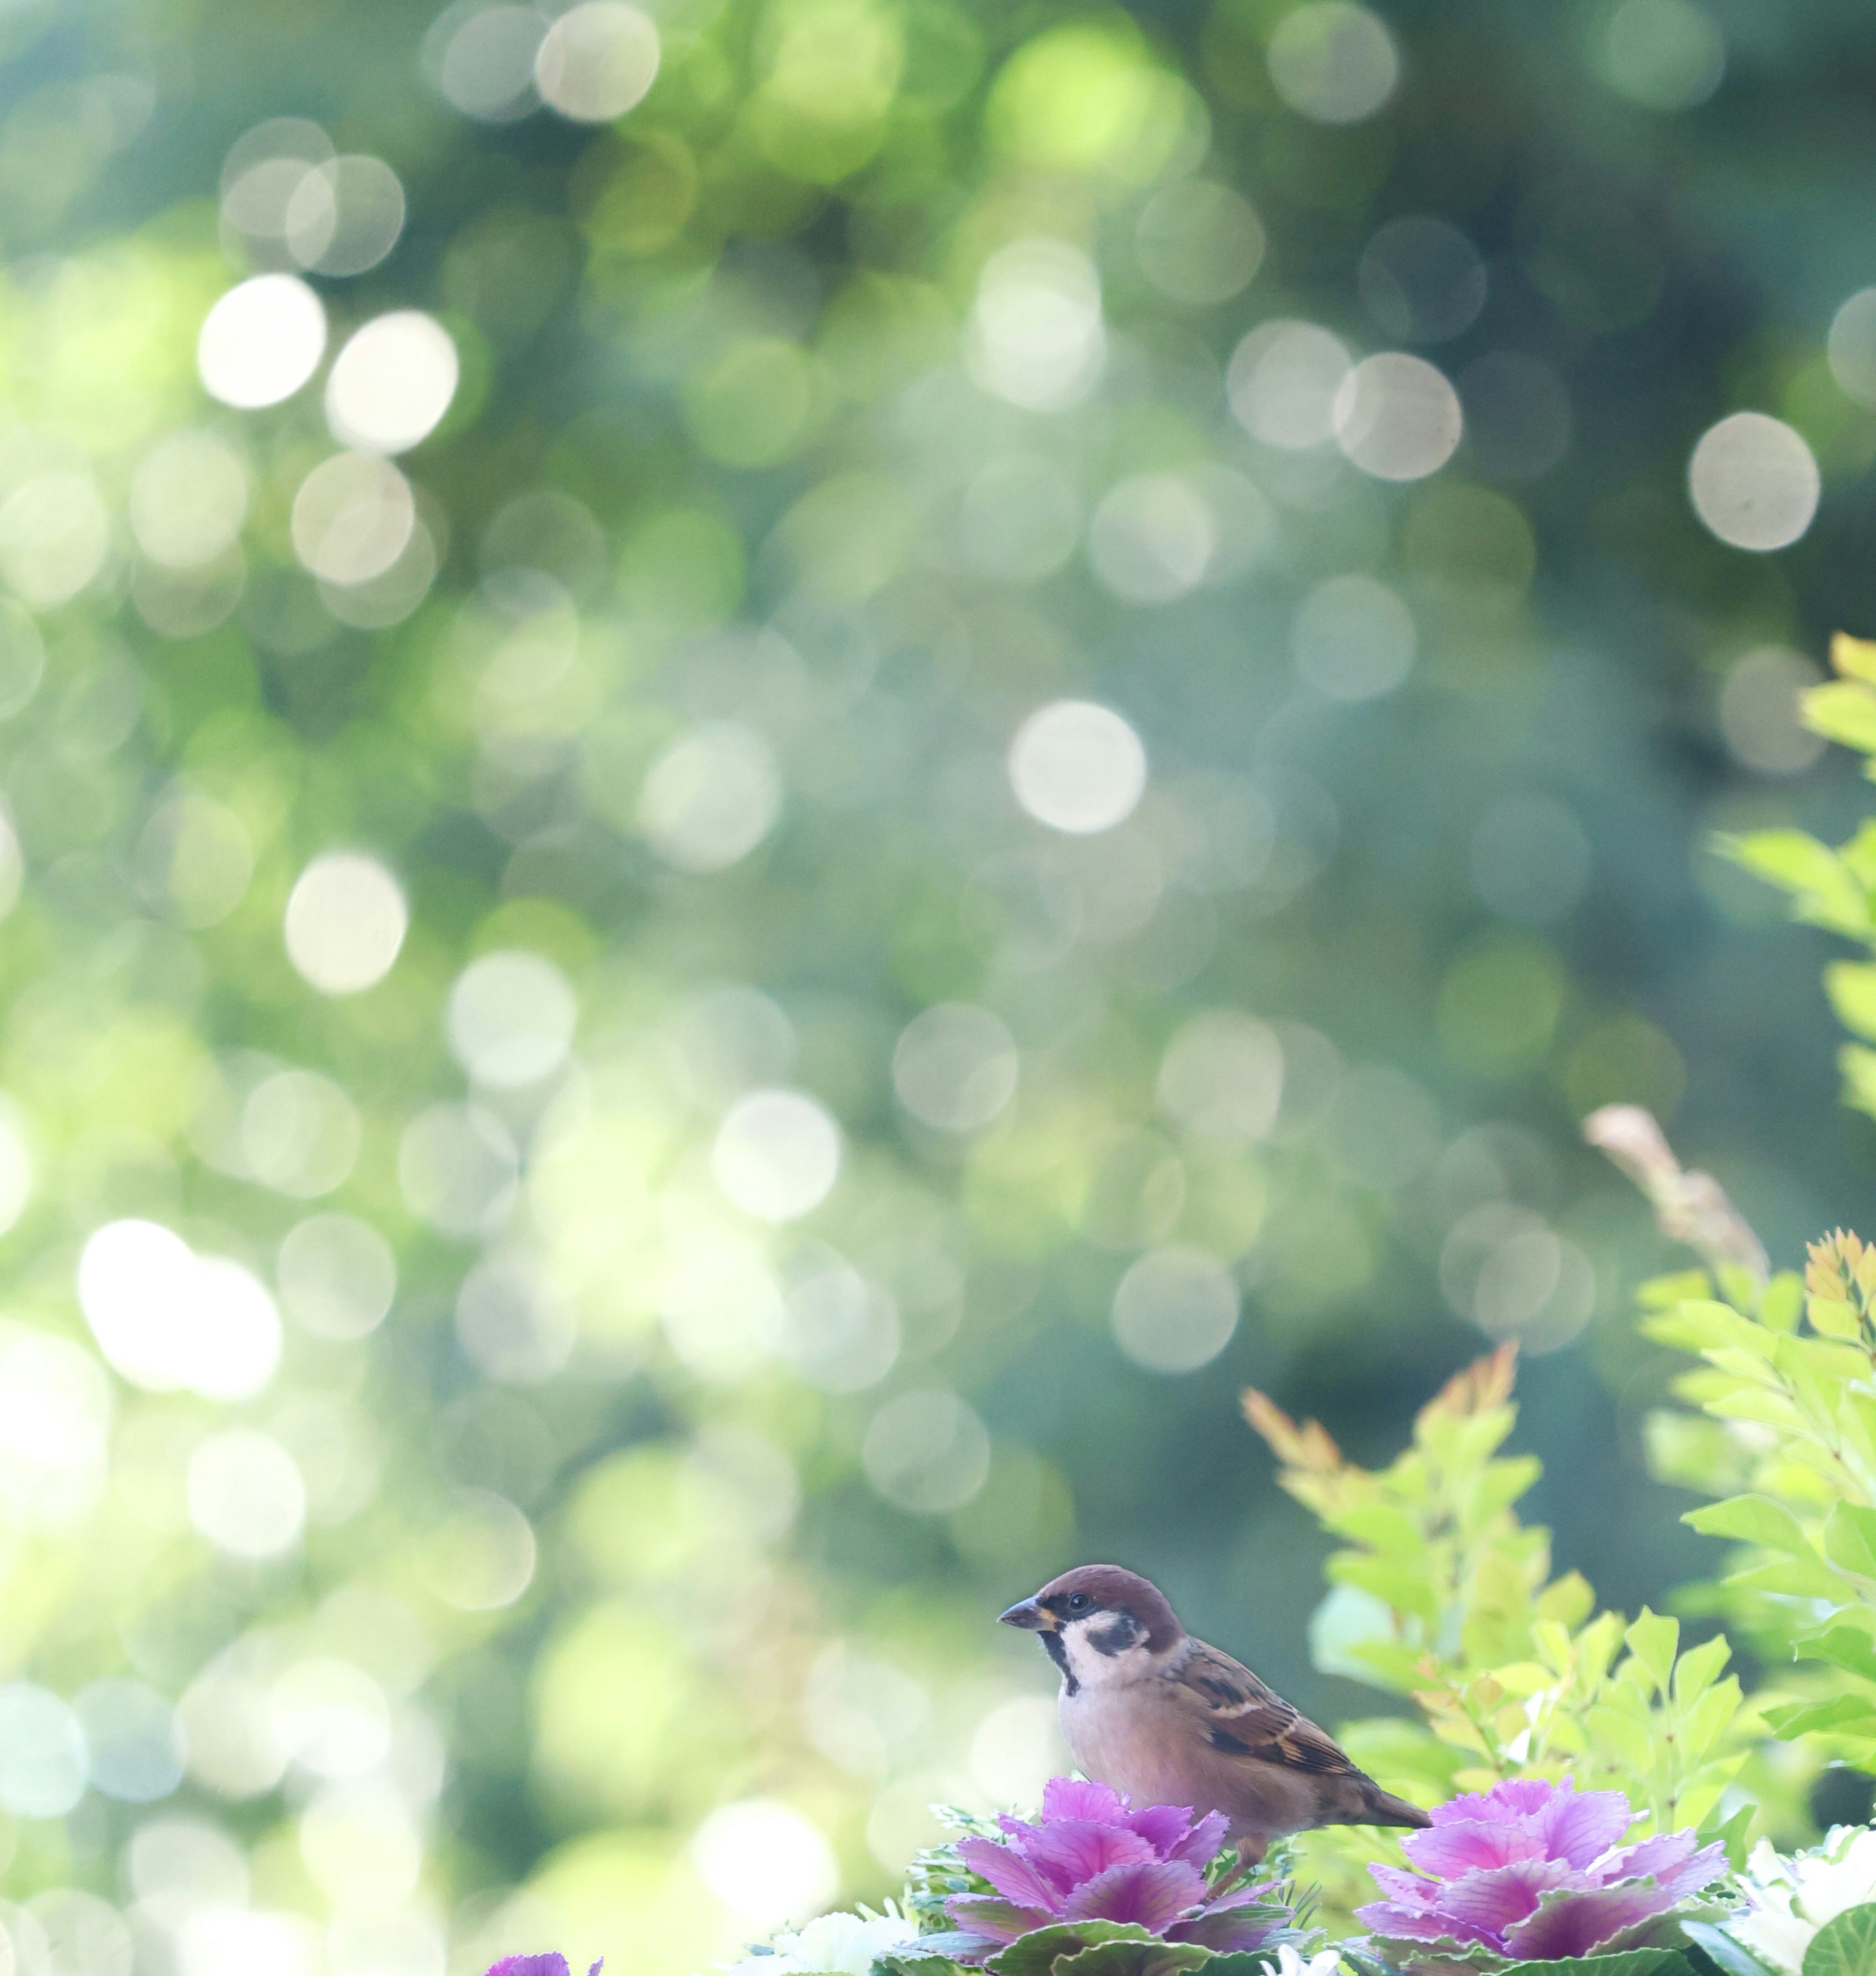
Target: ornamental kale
x: 1095, y: 1868
x: 1532, y: 1870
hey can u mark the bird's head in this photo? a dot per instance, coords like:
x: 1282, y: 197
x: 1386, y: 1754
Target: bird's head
x: 1099, y: 1623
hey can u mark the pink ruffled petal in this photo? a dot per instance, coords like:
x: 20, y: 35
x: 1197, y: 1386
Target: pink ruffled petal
x: 1575, y: 1924
x: 1153, y: 1892
x: 1400, y: 1924
x: 1161, y: 1826
x: 1204, y: 1843
x: 1238, y: 1920
x: 1581, y: 1826
x: 1513, y: 1799
x: 550, y: 1964
x: 1413, y: 1889
x: 1702, y: 1870
x: 1664, y: 1853
x: 1009, y: 1873
x: 1000, y: 1921
x: 1670, y: 1861
x: 1073, y: 1797
x: 1447, y: 1851
x: 1067, y: 1851
x: 1499, y: 1896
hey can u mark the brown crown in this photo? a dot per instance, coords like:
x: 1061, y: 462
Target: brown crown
x: 1113, y: 1588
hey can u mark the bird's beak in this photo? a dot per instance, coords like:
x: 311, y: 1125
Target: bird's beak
x: 1027, y: 1614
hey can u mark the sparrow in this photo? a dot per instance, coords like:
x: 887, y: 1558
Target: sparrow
x: 1149, y: 1711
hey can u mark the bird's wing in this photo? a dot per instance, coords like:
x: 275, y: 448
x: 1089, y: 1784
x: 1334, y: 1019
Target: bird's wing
x: 1240, y: 1716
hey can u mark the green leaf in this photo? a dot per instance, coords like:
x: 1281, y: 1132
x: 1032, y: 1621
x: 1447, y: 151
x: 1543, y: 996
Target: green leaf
x: 1792, y: 1578
x: 1756, y: 1520
x: 1134, y: 1959
x: 1849, y: 1539
x: 1392, y: 1580
x: 1792, y: 858
x: 1859, y: 1066
x: 1842, y: 1715
x: 1720, y: 1949
x: 909, y: 1962
x: 1845, y: 1946
x: 1623, y: 1738
x: 1698, y: 1668
x: 1851, y: 987
x: 1700, y: 1324
x: 1733, y: 1833
x: 1842, y: 710
x: 1846, y: 1647
x: 1625, y: 1962
x: 1702, y: 1724
x: 1035, y: 1953
x: 1784, y: 1299
x: 1652, y: 1639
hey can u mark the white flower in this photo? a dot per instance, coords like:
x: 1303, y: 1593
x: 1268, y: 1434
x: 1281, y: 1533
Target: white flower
x: 1289, y: 1962
x: 1790, y: 1897
x: 844, y: 1944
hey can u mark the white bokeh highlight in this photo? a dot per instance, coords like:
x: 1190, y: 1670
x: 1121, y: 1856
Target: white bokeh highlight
x: 261, y: 342
x: 345, y: 923
x: 392, y: 382
x: 777, y: 1155
x: 1078, y: 767
x: 1754, y: 481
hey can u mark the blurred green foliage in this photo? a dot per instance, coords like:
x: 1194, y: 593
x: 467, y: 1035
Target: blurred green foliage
x: 775, y: 772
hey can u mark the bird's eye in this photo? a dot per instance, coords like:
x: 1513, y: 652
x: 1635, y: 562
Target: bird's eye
x: 1078, y: 1601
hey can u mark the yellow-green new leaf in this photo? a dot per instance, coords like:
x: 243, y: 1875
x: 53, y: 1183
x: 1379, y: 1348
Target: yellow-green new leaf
x: 1846, y: 1647
x: 1754, y: 1520
x: 1849, y: 1539
x: 1799, y: 863
x: 1698, y: 1668
x: 1851, y: 987
x: 1842, y: 710
x: 1625, y: 1738
x: 1652, y: 1640
x: 1705, y: 1723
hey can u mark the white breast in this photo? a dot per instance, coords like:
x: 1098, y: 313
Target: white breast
x: 1109, y: 1732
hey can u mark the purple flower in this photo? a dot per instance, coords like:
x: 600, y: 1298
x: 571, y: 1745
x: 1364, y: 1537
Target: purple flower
x: 1093, y: 1857
x: 1533, y: 1871
x: 553, y: 1963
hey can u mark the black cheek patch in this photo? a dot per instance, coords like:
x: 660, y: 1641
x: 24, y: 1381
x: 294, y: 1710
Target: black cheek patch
x: 1052, y: 1645
x: 1122, y: 1631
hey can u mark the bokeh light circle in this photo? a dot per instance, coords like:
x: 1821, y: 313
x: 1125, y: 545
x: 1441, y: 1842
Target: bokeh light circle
x: 1333, y: 62
x: 44, y: 1767
x: 1175, y: 1310
x: 777, y: 1155
x: 1851, y: 348
x: 765, y: 1862
x: 597, y: 61
x: 927, y: 1451
x: 392, y: 382
x: 245, y: 1494
x: 1354, y: 638
x: 511, y: 1018
x: 1397, y: 417
x: 954, y: 1067
x: 711, y: 798
x: 1754, y: 481
x: 1283, y: 383
x: 345, y: 923
x: 261, y: 342
x: 1078, y: 767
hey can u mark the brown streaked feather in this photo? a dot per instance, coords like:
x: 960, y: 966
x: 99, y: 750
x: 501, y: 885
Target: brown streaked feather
x: 1244, y: 1717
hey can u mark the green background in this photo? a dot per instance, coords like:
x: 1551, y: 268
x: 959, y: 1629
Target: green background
x: 744, y: 337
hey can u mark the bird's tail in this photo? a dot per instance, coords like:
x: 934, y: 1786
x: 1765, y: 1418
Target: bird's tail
x: 1380, y: 1807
